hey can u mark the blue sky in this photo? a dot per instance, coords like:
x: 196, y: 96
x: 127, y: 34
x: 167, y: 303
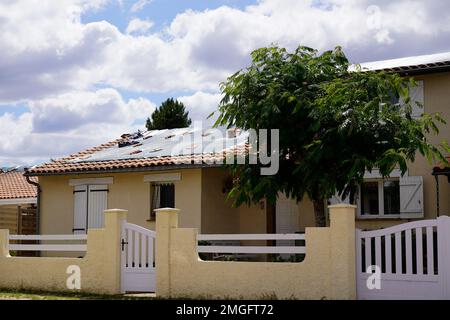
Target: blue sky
x: 78, y: 73
x: 161, y: 12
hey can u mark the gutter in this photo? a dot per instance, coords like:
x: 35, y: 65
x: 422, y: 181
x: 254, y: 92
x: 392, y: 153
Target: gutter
x: 38, y: 202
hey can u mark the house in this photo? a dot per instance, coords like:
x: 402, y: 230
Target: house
x: 18, y: 199
x: 140, y: 173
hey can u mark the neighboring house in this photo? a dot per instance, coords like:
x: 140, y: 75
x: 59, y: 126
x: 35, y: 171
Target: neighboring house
x: 18, y: 200
x: 139, y: 173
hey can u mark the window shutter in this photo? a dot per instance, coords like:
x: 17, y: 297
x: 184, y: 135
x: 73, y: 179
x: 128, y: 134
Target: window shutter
x: 416, y: 94
x: 80, y: 209
x: 97, y: 203
x: 411, y: 197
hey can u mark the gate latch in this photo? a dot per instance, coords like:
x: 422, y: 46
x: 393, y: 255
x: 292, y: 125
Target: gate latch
x: 123, y: 243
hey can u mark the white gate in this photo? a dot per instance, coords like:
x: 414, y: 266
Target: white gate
x: 413, y: 258
x: 138, y: 259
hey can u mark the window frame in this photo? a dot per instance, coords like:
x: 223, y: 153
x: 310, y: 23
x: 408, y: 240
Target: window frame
x: 160, y: 178
x: 380, y: 214
x: 152, y: 216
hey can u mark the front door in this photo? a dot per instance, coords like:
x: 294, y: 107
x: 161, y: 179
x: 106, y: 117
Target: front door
x: 286, y: 219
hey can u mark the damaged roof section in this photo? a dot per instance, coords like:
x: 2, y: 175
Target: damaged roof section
x: 155, y: 148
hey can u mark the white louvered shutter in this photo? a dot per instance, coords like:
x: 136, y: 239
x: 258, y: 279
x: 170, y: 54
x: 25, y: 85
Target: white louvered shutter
x: 411, y: 197
x: 97, y: 203
x: 80, y: 209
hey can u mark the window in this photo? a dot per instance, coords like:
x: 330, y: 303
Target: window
x: 380, y: 198
x: 396, y: 197
x: 391, y: 197
x: 89, y: 203
x: 370, y: 200
x: 162, y: 196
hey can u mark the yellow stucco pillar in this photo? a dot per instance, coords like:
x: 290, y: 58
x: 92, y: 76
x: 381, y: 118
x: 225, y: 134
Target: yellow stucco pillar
x: 166, y: 221
x: 113, y: 227
x: 342, y: 236
x: 4, y: 236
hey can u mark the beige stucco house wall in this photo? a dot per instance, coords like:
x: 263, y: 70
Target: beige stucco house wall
x: 199, y: 193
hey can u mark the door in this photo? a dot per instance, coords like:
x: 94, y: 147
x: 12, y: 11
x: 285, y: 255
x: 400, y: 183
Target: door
x: 286, y: 218
x: 137, y: 259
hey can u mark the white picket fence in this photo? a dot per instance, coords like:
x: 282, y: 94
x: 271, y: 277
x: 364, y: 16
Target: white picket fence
x: 413, y: 260
x: 66, y: 247
x: 231, y: 243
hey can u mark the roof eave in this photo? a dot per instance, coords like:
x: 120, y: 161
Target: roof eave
x: 419, y: 71
x: 17, y: 201
x: 125, y: 170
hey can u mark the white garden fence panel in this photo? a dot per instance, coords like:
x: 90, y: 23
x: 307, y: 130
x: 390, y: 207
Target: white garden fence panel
x: 413, y: 261
x: 249, y: 249
x: 66, y: 247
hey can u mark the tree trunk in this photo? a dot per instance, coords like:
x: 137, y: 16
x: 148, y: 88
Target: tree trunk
x: 319, y: 213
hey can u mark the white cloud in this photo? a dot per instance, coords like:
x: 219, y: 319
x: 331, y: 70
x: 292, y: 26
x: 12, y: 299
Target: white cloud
x: 138, y: 26
x: 68, y: 123
x: 46, y: 49
x: 200, y: 105
x: 139, y: 5
x: 198, y: 49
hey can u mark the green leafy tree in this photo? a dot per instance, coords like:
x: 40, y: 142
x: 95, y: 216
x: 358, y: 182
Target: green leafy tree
x: 171, y: 114
x: 334, y: 124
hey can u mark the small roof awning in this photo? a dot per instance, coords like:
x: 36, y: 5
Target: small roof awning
x: 442, y: 170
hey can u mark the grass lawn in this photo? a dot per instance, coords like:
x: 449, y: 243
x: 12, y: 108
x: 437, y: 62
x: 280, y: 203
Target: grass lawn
x: 8, y: 294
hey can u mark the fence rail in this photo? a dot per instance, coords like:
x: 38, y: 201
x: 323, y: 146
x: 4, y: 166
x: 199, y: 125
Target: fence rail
x: 69, y: 247
x: 232, y: 239
x: 268, y: 236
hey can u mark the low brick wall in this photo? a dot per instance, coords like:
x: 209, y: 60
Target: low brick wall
x: 328, y: 271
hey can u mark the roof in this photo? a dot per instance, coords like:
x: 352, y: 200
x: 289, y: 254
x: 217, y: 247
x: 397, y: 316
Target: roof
x: 13, y: 185
x: 152, y: 150
x: 439, y: 62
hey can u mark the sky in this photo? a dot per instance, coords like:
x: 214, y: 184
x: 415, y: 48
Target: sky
x: 78, y: 73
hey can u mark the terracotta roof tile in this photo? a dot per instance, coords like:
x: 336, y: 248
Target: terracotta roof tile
x: 13, y: 185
